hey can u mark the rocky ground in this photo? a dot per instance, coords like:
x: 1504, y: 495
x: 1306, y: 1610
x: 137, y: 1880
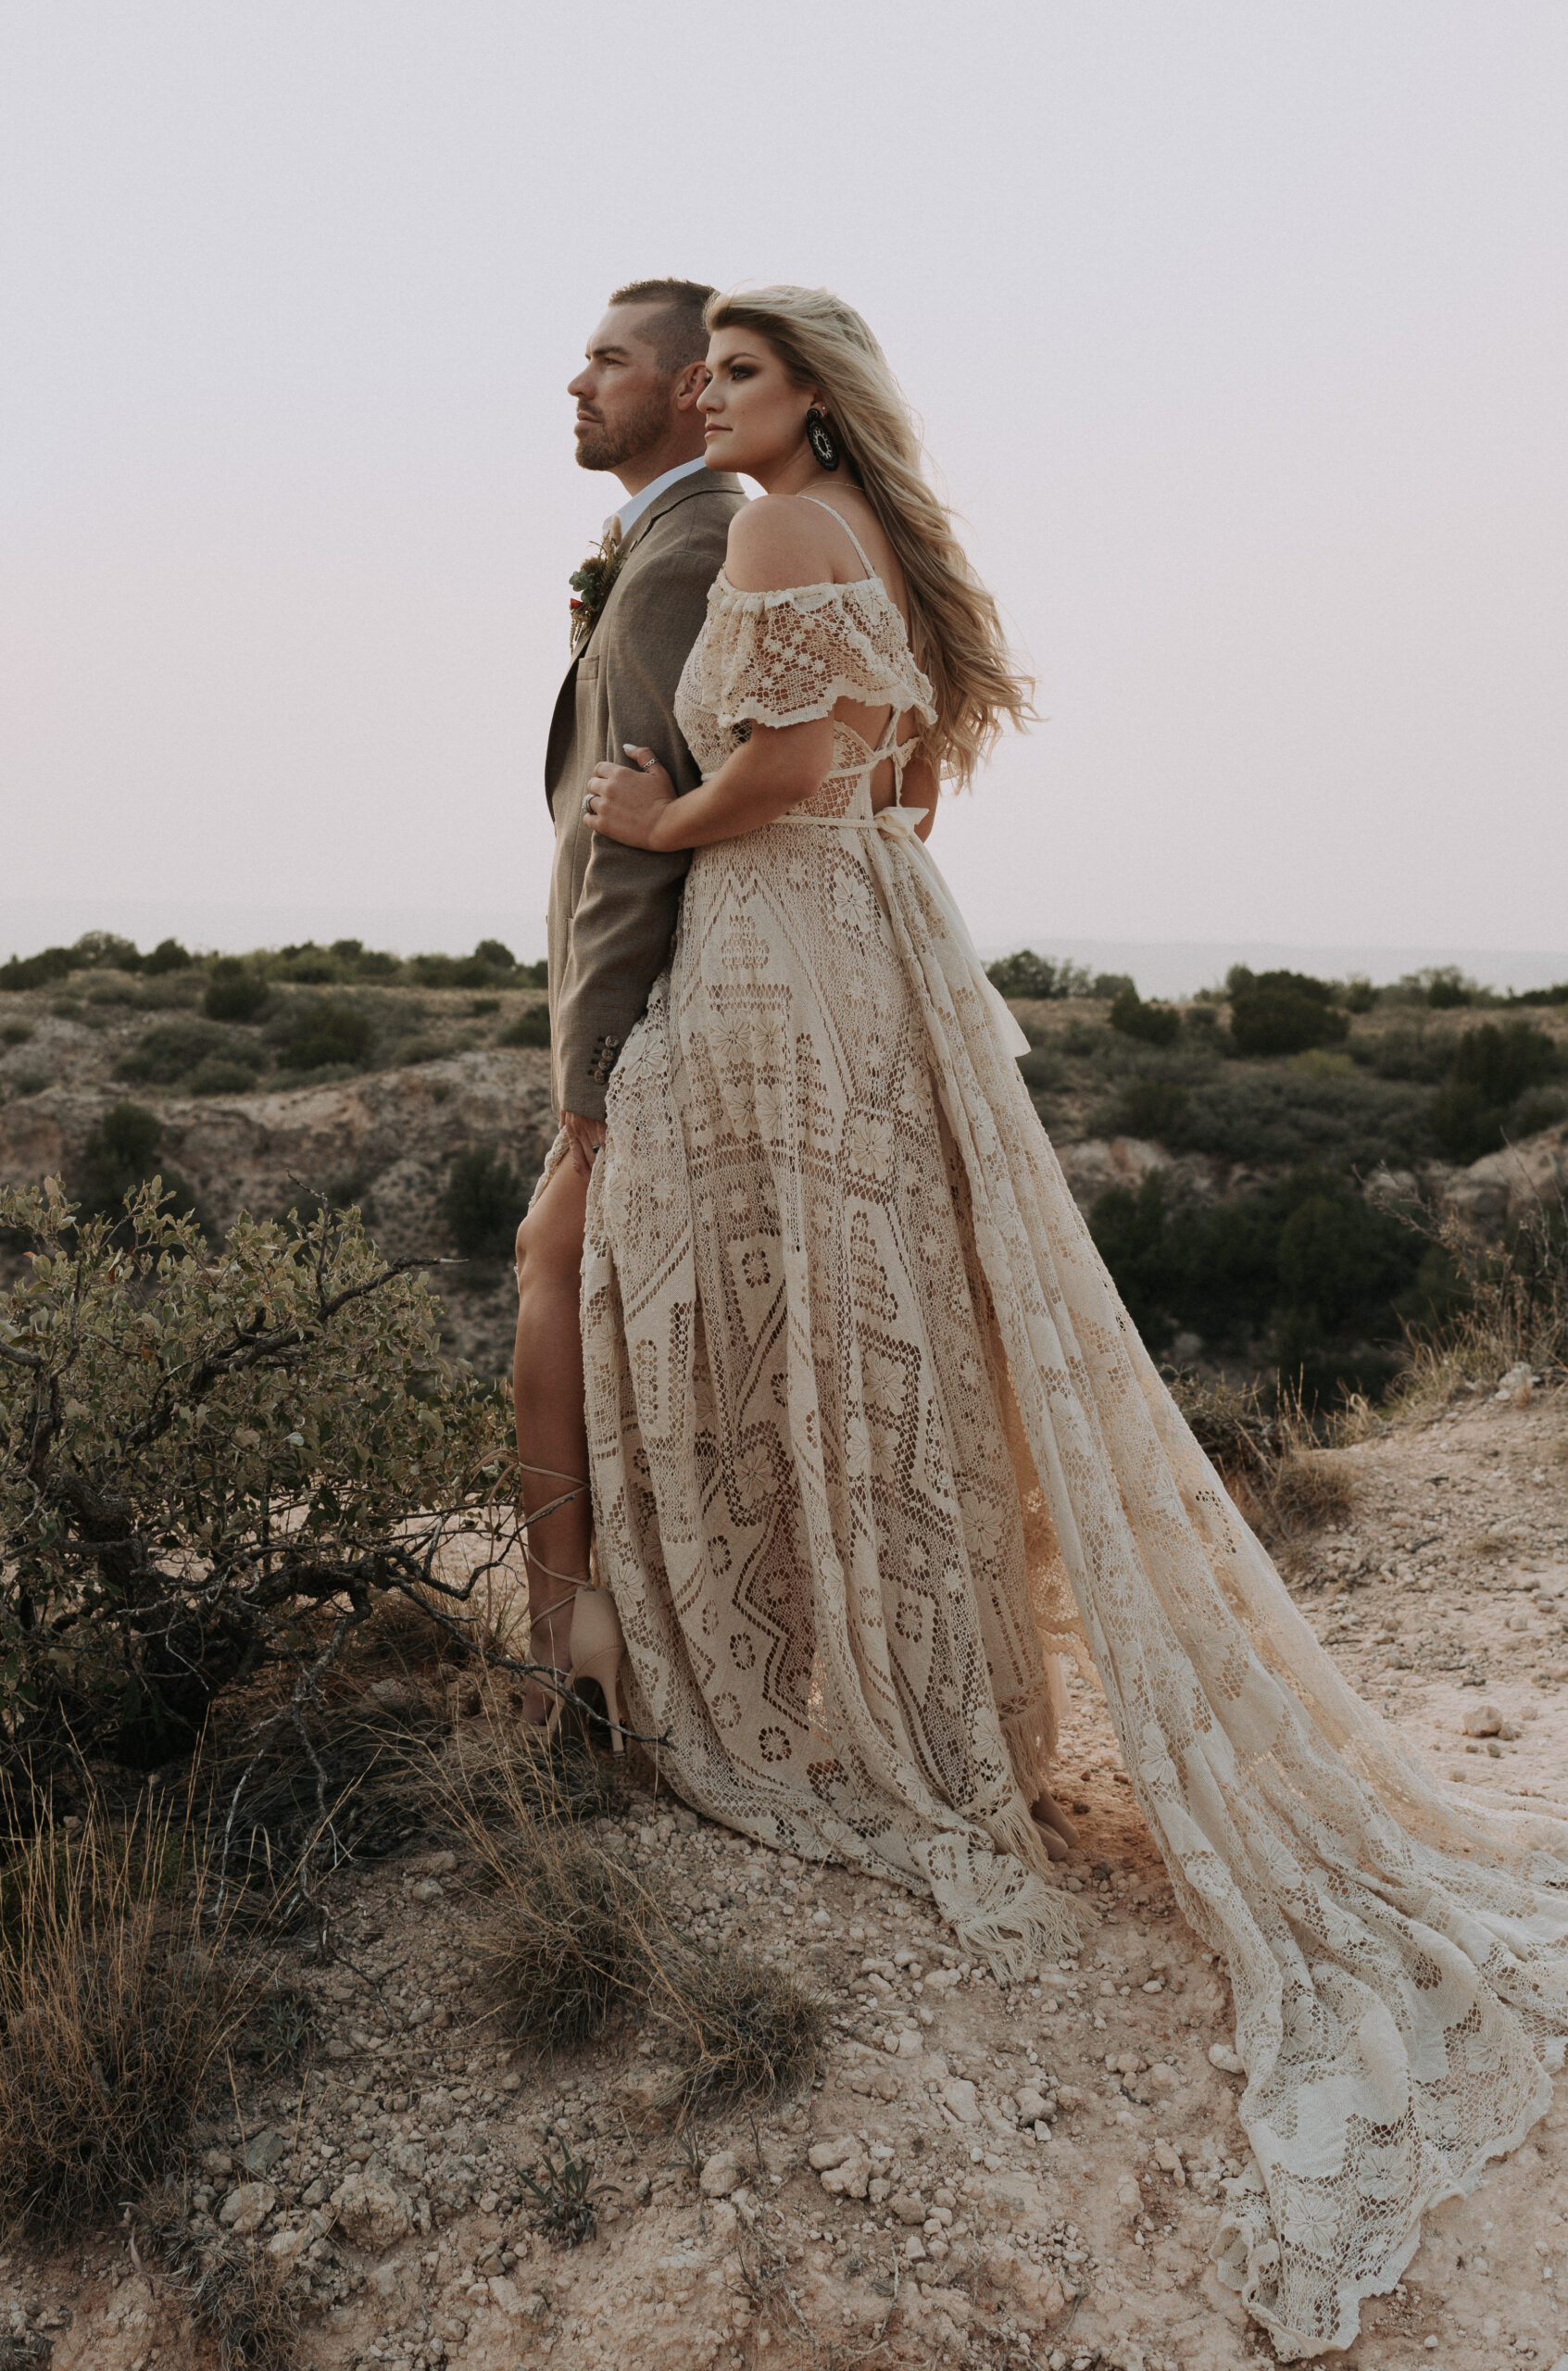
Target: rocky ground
x: 973, y: 2176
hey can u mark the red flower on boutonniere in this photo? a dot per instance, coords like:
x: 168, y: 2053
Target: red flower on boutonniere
x: 591, y: 586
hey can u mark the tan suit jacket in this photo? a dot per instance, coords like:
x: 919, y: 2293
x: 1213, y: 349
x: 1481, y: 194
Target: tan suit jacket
x: 613, y: 909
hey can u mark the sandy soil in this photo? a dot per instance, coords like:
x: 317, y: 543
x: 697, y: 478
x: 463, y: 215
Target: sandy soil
x: 942, y: 2232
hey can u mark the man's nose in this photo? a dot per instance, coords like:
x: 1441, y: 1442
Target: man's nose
x: 579, y: 385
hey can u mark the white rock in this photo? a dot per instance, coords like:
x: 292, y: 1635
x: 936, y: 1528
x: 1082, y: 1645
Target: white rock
x: 961, y: 2099
x: 246, y: 2208
x: 823, y: 2154
x: 1221, y: 2056
x: 506, y: 2296
x: 850, y: 2179
x: 910, y: 2044
x: 721, y: 2174
x: 1031, y: 2106
x: 371, y: 2213
x: 288, y: 2244
x: 1483, y: 1721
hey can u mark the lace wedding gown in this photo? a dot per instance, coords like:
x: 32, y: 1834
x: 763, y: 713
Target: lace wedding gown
x: 872, y: 1439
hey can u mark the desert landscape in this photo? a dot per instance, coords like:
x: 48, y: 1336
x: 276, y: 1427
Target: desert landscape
x: 936, y: 2171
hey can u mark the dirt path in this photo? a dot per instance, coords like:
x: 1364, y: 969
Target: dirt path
x: 898, y: 2212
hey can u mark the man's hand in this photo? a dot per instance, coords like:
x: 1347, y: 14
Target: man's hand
x: 585, y: 1138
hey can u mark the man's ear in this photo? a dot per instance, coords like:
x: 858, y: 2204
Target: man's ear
x: 689, y: 383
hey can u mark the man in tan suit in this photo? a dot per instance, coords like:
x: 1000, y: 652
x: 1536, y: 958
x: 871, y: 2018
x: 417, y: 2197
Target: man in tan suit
x: 612, y: 908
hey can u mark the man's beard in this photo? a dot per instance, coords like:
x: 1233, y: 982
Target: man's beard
x: 599, y: 447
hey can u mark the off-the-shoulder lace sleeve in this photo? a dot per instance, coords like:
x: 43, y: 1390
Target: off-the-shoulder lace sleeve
x: 785, y: 658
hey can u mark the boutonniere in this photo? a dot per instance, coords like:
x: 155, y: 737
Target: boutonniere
x: 591, y: 586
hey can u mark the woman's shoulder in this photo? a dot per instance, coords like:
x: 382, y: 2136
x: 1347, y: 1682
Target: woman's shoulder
x: 782, y: 540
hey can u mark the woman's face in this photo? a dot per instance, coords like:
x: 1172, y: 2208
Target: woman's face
x: 754, y: 411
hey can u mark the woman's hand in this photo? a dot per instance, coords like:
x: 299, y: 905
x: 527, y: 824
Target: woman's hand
x: 628, y: 803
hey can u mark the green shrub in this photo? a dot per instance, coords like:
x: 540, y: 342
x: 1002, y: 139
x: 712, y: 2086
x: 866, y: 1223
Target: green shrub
x: 1152, y: 1107
x: 533, y: 975
x: 489, y: 962
x: 1028, y: 975
x: 1358, y: 994
x: 1151, y: 1024
x: 531, y: 1027
x: 38, y: 970
x: 16, y: 1032
x: 411, y: 1050
x: 1533, y: 1113
x: 1282, y: 1012
x: 234, y: 991
x: 224, y: 1075
x: 308, y: 966
x: 1447, y: 987
x: 1406, y: 1053
x: 1283, y: 1118
x: 329, y: 1035
x: 1559, y: 994
x: 1493, y: 1069
x: 167, y: 956
x: 160, y: 1403
x: 494, y: 955
x: 1309, y: 1266
x: 167, y: 1052
x: 30, y: 1081
x: 482, y: 1006
x: 482, y: 1203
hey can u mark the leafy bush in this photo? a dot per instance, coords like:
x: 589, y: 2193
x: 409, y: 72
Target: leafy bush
x: 533, y: 975
x: 1152, y: 1107
x: 120, y: 1157
x: 16, y: 1032
x: 167, y: 956
x: 1308, y: 1265
x: 1358, y: 994
x: 1448, y: 986
x: 531, y: 1027
x: 165, y: 1053
x: 38, y: 970
x: 234, y: 991
x: 1406, y: 1053
x: 1151, y: 1024
x: 1493, y: 1069
x: 499, y: 957
x: 489, y: 963
x: 482, y: 1200
x: 329, y: 1033
x: 1559, y: 994
x: 226, y: 1073
x: 1028, y: 975
x: 1282, y: 1012
x: 1283, y: 1118
x: 161, y: 1405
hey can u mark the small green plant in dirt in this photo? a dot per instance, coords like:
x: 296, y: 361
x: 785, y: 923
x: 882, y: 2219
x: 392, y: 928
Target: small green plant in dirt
x: 481, y: 1202
x: 565, y: 2198
x: 215, y: 1463
x: 1282, y: 1012
x: 531, y: 1027
x: 120, y: 2001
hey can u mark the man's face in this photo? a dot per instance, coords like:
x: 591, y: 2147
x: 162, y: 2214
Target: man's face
x: 624, y: 400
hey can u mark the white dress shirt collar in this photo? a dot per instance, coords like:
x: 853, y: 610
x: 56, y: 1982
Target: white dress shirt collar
x: 635, y: 505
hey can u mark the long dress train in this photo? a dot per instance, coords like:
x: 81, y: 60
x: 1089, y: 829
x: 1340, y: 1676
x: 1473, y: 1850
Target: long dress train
x: 872, y: 1439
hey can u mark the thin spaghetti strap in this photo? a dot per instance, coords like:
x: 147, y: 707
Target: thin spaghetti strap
x: 848, y: 529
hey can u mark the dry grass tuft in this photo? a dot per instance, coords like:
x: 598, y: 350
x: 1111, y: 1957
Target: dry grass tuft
x: 119, y: 2006
x: 235, y: 2292
x: 743, y: 2030
x: 1283, y: 1479
x: 572, y: 1933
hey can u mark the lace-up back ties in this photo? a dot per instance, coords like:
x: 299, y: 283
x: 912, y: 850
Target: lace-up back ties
x: 789, y: 657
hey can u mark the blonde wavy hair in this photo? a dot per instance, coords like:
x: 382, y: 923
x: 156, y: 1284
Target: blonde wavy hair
x: 955, y: 631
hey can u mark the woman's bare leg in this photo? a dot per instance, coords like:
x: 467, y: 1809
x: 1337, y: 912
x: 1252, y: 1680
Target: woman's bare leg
x: 552, y: 1438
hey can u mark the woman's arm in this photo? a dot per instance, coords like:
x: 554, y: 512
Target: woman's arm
x: 773, y: 771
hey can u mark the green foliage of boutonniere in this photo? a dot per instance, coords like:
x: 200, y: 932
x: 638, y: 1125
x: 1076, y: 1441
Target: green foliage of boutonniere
x: 591, y: 586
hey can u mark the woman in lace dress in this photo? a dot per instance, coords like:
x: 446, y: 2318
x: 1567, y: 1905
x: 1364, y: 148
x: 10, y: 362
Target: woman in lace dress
x: 873, y: 1439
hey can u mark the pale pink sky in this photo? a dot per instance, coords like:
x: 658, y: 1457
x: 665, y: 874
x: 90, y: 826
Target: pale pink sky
x: 1239, y: 331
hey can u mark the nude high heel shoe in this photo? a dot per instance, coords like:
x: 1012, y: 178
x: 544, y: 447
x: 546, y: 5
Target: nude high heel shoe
x: 593, y: 1652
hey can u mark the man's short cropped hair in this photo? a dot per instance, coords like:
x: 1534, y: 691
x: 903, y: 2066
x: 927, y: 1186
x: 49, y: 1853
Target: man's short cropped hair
x: 677, y: 331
